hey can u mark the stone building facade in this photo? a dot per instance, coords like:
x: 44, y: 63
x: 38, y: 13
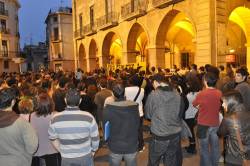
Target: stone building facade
x: 59, y: 38
x: 161, y: 33
x: 36, y: 57
x: 9, y: 36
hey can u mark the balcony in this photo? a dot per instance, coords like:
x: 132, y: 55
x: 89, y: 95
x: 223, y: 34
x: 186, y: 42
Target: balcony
x: 4, y: 12
x: 79, y: 33
x: 134, y: 9
x: 164, y: 3
x: 55, y: 38
x: 109, y: 20
x: 4, y: 55
x: 57, y: 57
x: 89, y: 29
x: 4, y: 30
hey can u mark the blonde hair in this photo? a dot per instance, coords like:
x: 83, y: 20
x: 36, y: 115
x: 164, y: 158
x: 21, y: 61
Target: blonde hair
x: 25, y: 105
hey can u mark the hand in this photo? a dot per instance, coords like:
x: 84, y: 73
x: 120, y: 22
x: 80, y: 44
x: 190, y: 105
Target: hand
x: 93, y: 153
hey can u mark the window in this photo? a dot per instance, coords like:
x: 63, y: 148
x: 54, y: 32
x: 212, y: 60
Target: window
x: 55, y: 19
x: 56, y: 34
x: 6, y: 64
x: 80, y: 21
x: 108, y: 6
x: 2, y: 7
x: 4, y: 48
x: 91, y: 13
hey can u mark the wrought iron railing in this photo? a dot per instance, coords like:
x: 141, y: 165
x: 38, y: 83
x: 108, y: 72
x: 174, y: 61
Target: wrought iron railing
x: 78, y: 33
x: 4, y: 12
x: 5, y: 30
x: 134, y: 8
x: 164, y: 3
x: 107, y: 19
x: 89, y: 29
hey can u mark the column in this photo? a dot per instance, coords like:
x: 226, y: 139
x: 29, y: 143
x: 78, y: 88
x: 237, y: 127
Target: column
x: 248, y: 56
x: 204, y: 40
x: 156, y: 57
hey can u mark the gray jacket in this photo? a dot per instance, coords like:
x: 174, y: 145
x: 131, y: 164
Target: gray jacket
x: 18, y: 140
x: 163, y: 108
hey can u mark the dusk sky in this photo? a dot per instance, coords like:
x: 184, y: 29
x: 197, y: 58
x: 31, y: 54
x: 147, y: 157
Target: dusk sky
x: 32, y: 16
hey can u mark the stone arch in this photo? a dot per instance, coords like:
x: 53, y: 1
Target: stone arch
x: 92, y: 59
x: 240, y: 16
x: 111, y: 49
x: 175, y: 39
x: 137, y: 43
x: 82, y: 60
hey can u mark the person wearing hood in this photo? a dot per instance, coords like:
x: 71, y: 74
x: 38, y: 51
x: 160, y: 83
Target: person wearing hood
x: 18, y: 139
x: 163, y: 107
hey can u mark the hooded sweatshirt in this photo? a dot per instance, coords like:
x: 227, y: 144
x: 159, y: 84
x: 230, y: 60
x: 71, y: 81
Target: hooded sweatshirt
x: 18, y: 140
x: 163, y: 107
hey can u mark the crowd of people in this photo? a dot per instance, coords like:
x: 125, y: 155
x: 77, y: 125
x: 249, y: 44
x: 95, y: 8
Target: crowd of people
x: 60, y: 118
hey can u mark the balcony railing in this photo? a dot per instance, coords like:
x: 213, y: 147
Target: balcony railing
x: 55, y: 38
x: 5, y: 30
x: 57, y: 57
x: 4, y: 12
x: 4, y: 54
x: 79, y: 33
x: 107, y: 21
x: 134, y: 9
x: 164, y: 3
x: 89, y: 29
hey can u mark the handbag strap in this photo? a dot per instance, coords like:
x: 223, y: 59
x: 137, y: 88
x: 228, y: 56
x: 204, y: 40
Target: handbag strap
x: 29, y: 117
x: 137, y: 95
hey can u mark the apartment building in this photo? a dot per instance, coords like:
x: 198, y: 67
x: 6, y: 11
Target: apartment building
x: 59, y: 37
x: 9, y: 36
x: 160, y: 33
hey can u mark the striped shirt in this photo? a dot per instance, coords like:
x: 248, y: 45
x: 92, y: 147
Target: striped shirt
x: 76, y: 131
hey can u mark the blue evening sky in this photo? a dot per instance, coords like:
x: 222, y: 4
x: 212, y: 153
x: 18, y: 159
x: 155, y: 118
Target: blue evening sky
x: 32, y: 15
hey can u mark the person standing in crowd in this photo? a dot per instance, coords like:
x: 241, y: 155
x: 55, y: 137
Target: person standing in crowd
x: 242, y: 86
x: 236, y: 120
x: 123, y: 116
x: 194, y: 87
x: 208, y: 103
x: 59, y: 95
x: 40, y: 120
x: 99, y: 99
x: 163, y: 107
x: 74, y: 133
x: 135, y: 93
x: 18, y: 139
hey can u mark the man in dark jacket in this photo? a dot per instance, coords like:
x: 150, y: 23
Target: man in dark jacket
x: 123, y: 116
x: 163, y: 108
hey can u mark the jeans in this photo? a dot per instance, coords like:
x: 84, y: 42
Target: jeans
x: 168, y: 150
x: 48, y: 160
x: 209, y: 148
x: 130, y: 159
x: 79, y: 161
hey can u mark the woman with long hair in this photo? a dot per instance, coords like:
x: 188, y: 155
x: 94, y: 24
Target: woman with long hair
x: 40, y: 120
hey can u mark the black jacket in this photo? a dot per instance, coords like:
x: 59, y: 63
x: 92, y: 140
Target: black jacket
x: 228, y: 129
x: 124, y: 123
